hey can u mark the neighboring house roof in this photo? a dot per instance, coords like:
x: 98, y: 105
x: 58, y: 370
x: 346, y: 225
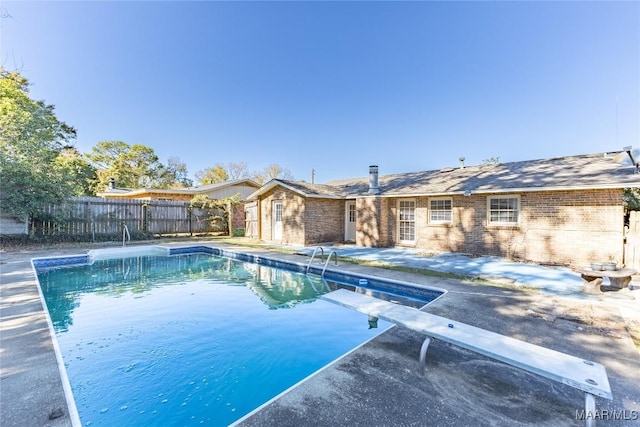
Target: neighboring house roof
x: 218, y: 185
x: 590, y: 171
x: 132, y: 192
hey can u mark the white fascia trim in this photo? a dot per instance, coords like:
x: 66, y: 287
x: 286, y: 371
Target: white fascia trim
x: 320, y: 196
x: 509, y: 190
x: 218, y: 185
x: 288, y: 187
x: 268, y: 186
x: 144, y: 191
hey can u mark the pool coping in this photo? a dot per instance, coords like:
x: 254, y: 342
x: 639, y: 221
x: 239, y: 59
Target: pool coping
x: 160, y: 250
x: 316, y: 400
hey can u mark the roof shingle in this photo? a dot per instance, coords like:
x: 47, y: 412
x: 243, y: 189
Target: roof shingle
x: 589, y: 171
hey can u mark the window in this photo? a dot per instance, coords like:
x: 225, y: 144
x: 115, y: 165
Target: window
x: 406, y: 221
x: 277, y: 214
x: 503, y: 210
x: 352, y: 212
x: 440, y: 211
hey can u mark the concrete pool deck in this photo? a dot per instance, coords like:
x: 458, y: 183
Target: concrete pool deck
x: 378, y: 384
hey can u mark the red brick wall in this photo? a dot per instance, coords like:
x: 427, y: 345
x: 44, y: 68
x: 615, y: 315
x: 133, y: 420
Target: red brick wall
x: 368, y: 221
x: 237, y: 216
x: 293, y: 207
x: 560, y: 227
x: 305, y: 221
x: 324, y: 221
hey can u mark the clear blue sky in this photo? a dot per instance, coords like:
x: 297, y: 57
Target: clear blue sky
x: 336, y: 86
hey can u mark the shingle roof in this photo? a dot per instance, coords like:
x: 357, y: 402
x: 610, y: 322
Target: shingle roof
x: 603, y: 170
x: 313, y: 190
x: 589, y: 171
x: 229, y: 183
x: 129, y: 192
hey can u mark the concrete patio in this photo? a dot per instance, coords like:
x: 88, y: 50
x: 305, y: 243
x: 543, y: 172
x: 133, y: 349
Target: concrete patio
x: 378, y: 384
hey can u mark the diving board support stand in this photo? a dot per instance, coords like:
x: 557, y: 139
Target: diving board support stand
x: 587, y: 376
x: 423, y: 354
x: 590, y: 409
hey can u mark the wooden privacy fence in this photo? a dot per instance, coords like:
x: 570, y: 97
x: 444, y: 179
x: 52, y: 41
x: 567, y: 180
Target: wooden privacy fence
x: 251, y: 219
x: 632, y: 241
x: 82, y: 216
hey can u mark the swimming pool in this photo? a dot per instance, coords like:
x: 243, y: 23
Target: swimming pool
x: 197, y: 337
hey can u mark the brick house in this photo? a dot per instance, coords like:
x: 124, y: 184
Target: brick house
x: 566, y: 210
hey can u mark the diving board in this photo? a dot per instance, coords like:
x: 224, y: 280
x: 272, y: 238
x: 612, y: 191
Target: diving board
x: 587, y: 376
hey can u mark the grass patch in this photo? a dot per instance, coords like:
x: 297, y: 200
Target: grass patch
x: 405, y: 269
x: 434, y: 273
x: 382, y: 265
x: 633, y: 326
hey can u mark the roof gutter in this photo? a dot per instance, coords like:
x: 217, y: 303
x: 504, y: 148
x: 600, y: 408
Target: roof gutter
x: 507, y: 190
x: 275, y: 183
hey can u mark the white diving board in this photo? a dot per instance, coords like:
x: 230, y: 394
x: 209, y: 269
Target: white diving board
x: 590, y: 377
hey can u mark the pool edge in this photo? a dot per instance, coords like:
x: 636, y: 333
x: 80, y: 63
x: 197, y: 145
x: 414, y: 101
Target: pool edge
x: 74, y: 415
x: 69, y: 260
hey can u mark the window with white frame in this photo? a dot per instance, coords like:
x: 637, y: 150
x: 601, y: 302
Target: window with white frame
x: 406, y: 220
x: 440, y: 211
x: 352, y: 212
x: 503, y: 210
x: 277, y: 214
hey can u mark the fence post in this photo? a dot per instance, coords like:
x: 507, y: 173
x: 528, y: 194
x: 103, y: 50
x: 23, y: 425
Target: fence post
x: 190, y: 217
x: 145, y: 218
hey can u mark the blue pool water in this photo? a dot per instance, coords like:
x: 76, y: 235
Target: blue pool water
x: 190, y: 339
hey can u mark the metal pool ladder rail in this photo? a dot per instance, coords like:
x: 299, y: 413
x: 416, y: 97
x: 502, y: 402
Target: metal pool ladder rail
x: 126, y: 237
x: 313, y: 256
x: 327, y: 261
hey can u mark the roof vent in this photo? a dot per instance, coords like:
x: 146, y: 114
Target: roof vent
x: 373, y: 180
x: 634, y: 162
x: 461, y: 162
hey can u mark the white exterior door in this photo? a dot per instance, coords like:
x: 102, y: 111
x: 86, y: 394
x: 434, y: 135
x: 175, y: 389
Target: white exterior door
x: 350, y: 222
x: 406, y: 221
x: 276, y: 229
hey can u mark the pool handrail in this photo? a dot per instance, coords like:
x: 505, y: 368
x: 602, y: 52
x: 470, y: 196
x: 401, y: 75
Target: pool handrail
x: 327, y: 261
x: 313, y: 256
x: 125, y: 235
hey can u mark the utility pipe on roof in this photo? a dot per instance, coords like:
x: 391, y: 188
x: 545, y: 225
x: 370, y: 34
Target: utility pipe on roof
x: 373, y: 180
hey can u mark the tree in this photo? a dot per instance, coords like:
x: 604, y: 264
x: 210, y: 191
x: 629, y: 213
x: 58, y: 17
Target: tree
x: 78, y: 171
x: 212, y: 175
x: 273, y: 171
x: 175, y: 174
x: 631, y: 198
x: 221, y: 173
x: 31, y: 140
x: 134, y: 166
x: 238, y: 170
x: 219, y: 209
